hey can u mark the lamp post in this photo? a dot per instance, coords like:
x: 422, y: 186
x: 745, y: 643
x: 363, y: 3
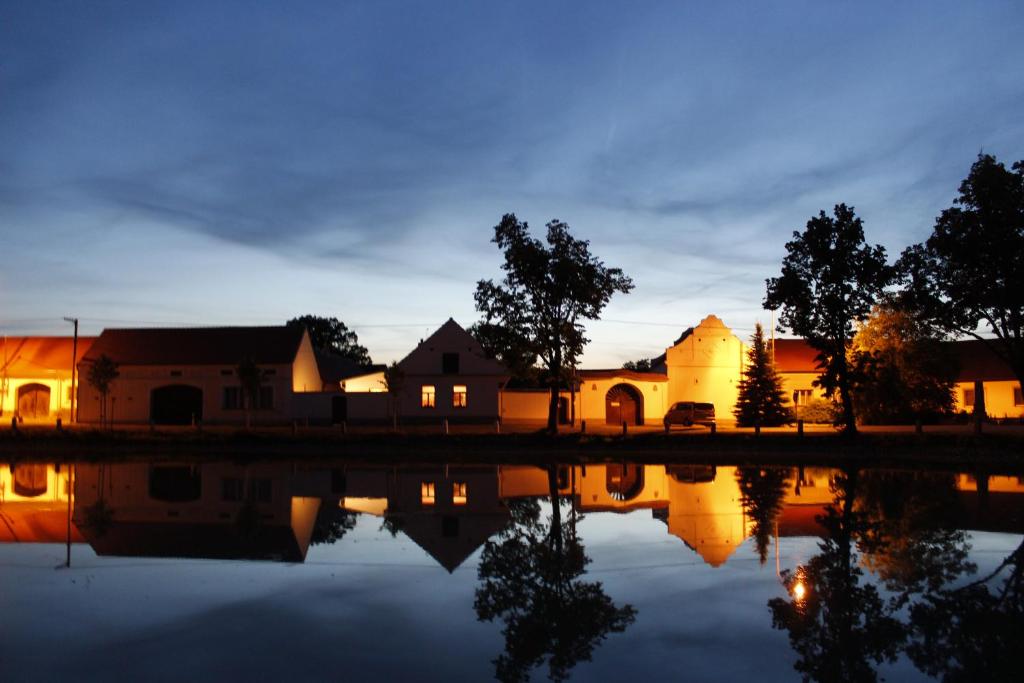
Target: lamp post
x: 74, y: 366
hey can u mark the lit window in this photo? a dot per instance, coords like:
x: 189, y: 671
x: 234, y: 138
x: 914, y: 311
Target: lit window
x: 802, y: 397
x: 427, y: 493
x: 968, y: 398
x: 428, y: 398
x: 459, y: 493
x: 459, y: 396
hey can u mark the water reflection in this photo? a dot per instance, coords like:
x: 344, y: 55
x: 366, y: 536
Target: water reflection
x: 893, y: 577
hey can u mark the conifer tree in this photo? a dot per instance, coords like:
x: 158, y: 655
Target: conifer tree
x: 761, y: 399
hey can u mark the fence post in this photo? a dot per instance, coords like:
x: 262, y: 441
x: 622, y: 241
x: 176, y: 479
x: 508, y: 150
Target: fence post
x: 446, y: 425
x: 583, y: 426
x: 714, y: 427
x: 918, y: 427
x: 497, y: 426
x: 624, y: 428
x: 799, y: 427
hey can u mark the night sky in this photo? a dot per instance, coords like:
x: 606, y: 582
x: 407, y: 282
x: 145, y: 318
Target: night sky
x: 244, y: 163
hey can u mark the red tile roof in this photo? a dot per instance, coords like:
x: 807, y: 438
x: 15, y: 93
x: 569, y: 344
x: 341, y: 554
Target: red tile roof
x: 199, y: 346
x: 40, y: 357
x: 795, y: 355
x: 978, y: 362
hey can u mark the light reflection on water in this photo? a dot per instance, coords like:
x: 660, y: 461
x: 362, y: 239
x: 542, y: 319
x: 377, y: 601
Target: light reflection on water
x: 462, y: 572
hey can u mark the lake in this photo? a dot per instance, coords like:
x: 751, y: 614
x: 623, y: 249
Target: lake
x: 328, y: 570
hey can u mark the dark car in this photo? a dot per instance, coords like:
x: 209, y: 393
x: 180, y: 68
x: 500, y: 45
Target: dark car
x: 688, y: 413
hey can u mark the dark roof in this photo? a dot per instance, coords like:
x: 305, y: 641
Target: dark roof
x: 206, y: 541
x: 333, y: 368
x: 198, y: 345
x: 795, y: 355
x: 979, y: 363
x: 622, y: 372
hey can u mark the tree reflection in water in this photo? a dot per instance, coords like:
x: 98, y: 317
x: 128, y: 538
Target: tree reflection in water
x: 903, y: 527
x: 838, y: 626
x: 530, y: 579
x: 763, y: 493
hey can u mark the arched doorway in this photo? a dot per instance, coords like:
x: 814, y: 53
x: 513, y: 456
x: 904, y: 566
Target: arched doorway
x: 624, y: 482
x: 33, y: 401
x: 623, y: 403
x: 176, y: 404
x: 29, y: 480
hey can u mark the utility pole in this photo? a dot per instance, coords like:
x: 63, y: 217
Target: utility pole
x: 74, y: 367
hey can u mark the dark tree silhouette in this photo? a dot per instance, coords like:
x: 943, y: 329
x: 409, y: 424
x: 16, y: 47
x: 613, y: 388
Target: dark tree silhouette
x: 530, y: 579
x: 394, y: 383
x: 838, y: 626
x: 509, y: 348
x: 973, y: 632
x: 763, y: 492
x: 330, y: 335
x: 639, y: 365
x: 331, y: 525
x: 761, y: 400
x: 904, y: 373
x: 830, y: 279
x: 546, y: 294
x: 251, y: 377
x: 101, y: 374
x: 969, y: 273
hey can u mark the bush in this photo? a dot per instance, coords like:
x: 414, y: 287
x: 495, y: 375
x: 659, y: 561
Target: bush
x: 818, y: 411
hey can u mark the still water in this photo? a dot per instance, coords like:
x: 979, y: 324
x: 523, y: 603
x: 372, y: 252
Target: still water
x: 326, y: 571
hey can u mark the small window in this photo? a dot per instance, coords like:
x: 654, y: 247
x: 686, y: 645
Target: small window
x: 450, y: 363
x: 260, y: 490
x: 175, y: 373
x: 427, y: 493
x: 232, y: 398
x: 968, y: 398
x: 269, y: 373
x: 459, y: 493
x: 231, y: 489
x: 802, y: 397
x: 266, y: 398
x: 1018, y: 399
x: 459, y: 396
x: 428, y: 396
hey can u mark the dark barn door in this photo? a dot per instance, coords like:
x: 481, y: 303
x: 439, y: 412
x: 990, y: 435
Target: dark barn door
x: 33, y: 400
x: 623, y: 403
x: 176, y: 404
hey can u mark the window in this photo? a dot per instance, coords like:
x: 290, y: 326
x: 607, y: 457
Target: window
x: 231, y: 489
x: 450, y: 363
x: 459, y: 493
x: 450, y: 527
x: 459, y: 396
x: 232, y: 398
x: 428, y: 397
x: 1018, y: 400
x: 968, y: 398
x: 175, y: 373
x: 802, y: 397
x: 71, y: 390
x: 266, y: 401
x: 260, y: 490
x: 427, y: 493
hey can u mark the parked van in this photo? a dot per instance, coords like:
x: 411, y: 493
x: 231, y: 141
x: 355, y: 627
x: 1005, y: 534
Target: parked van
x: 688, y: 413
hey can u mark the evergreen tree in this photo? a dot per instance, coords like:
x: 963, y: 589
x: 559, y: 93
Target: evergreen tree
x: 761, y: 399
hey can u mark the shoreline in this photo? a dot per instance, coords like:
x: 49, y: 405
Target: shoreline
x: 1004, y: 449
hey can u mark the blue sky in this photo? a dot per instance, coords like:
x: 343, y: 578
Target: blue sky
x: 244, y: 163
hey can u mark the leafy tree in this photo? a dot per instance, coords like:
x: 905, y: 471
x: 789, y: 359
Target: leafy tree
x: 761, y: 400
x: 251, y: 377
x: 904, y: 373
x: 969, y: 273
x: 509, y: 348
x: 830, y: 278
x: 530, y: 579
x: 330, y: 335
x: 331, y: 525
x: 639, y: 365
x: 102, y: 373
x: 546, y: 294
x: 763, y: 491
x: 839, y: 626
x: 394, y: 383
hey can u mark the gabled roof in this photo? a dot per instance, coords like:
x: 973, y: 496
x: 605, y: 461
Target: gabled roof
x: 444, y: 336
x: 199, y: 345
x: 425, y: 530
x: 978, y: 362
x: 40, y: 357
